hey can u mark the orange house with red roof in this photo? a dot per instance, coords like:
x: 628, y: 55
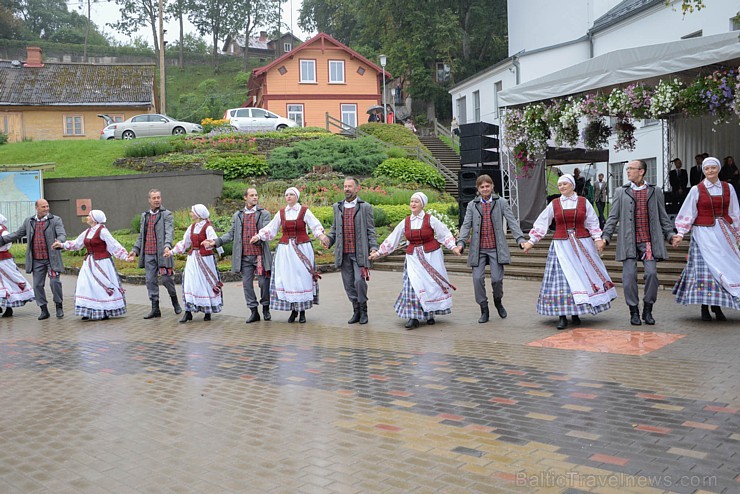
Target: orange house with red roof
x: 318, y: 77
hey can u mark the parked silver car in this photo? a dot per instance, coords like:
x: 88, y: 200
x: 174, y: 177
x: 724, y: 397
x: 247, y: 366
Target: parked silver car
x: 256, y: 120
x: 106, y: 132
x: 153, y: 124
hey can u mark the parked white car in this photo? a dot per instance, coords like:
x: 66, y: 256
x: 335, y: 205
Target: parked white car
x: 256, y: 120
x: 106, y: 132
x: 153, y: 124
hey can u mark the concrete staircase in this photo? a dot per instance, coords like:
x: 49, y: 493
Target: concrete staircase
x: 532, y: 266
x: 446, y: 156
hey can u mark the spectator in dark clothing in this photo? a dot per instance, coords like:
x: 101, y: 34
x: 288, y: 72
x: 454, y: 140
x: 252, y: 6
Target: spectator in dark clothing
x: 679, y: 180
x: 580, y: 181
x: 695, y: 174
x: 730, y: 173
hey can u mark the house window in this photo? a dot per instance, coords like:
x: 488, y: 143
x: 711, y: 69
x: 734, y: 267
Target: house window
x: 73, y: 125
x: 497, y: 87
x: 308, y: 71
x: 361, y: 70
x: 476, y: 106
x: 283, y: 70
x: 696, y: 34
x: 617, y: 176
x: 650, y: 122
x: 336, y: 71
x: 295, y: 113
x: 462, y: 115
x: 651, y: 176
x: 349, y: 115
x: 443, y: 72
x: 287, y: 47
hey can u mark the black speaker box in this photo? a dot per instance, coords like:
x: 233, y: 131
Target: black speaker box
x: 473, y: 156
x: 478, y: 129
x: 468, y: 176
x: 478, y: 142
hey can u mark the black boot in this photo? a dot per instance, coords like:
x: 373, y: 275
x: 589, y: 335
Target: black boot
x: 705, y: 315
x: 175, y: 304
x: 355, y: 313
x: 302, y: 316
x: 8, y: 312
x: 431, y: 321
x: 255, y: 316
x: 562, y: 322
x: 207, y: 317
x: 293, y: 315
x: 647, y: 314
x: 500, y: 308
x: 188, y: 316
x: 266, y: 313
x: 44, y: 313
x: 718, y: 313
x: 484, y: 314
x: 411, y: 324
x: 155, y: 312
x: 363, y: 313
x: 635, y: 315
x: 576, y: 320
x: 60, y: 311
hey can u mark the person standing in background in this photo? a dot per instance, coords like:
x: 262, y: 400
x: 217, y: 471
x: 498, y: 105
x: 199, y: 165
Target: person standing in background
x: 601, y: 195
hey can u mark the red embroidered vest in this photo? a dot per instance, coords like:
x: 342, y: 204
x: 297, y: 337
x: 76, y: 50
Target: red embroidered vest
x: 294, y: 228
x: 423, y: 236
x: 197, y: 238
x: 570, y: 219
x: 5, y: 254
x: 348, y: 228
x: 711, y: 207
x: 96, y: 246
x: 249, y: 230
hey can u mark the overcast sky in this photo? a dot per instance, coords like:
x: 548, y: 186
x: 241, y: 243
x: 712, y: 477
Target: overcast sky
x: 106, y: 11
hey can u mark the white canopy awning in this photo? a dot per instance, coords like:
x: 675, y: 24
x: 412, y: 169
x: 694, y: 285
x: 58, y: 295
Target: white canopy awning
x: 628, y: 65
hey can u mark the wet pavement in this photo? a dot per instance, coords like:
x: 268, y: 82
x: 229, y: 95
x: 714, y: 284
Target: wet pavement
x: 135, y: 406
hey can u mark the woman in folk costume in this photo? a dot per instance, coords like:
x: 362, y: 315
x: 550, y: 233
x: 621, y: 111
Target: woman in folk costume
x: 201, y: 283
x: 15, y: 291
x: 98, y: 294
x: 712, y: 275
x: 426, y: 290
x: 576, y: 281
x: 294, y: 282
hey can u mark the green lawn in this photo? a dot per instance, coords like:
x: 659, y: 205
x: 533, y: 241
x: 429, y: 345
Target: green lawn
x: 88, y: 158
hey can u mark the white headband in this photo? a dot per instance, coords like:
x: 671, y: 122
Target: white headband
x: 200, y: 211
x: 710, y: 162
x: 98, y: 216
x: 422, y: 197
x: 294, y: 191
x: 568, y: 178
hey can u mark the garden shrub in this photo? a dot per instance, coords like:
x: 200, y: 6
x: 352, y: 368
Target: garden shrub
x: 135, y: 223
x: 397, y: 213
x: 3, y: 138
x: 397, y: 153
x: 380, y: 217
x: 397, y: 135
x: 325, y: 214
x: 143, y: 148
x: 348, y: 156
x: 239, y: 165
x: 409, y: 170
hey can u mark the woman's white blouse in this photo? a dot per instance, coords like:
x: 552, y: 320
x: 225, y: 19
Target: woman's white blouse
x: 270, y: 230
x: 541, y: 225
x: 689, y: 211
x: 441, y: 233
x: 112, y: 245
x: 186, y: 241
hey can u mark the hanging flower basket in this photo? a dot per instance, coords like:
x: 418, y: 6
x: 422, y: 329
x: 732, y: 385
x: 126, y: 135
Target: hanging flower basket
x: 596, y: 134
x: 625, y: 131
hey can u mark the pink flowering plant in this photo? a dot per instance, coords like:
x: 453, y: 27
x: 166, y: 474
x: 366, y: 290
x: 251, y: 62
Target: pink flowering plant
x: 596, y: 134
x: 524, y: 164
x: 625, y: 131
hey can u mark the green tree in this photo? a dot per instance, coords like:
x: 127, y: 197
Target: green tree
x: 179, y: 9
x: 250, y: 14
x: 11, y: 27
x: 136, y: 14
x: 214, y: 18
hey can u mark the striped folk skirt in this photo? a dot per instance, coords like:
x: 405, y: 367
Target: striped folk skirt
x: 407, y: 304
x: 11, y: 280
x: 697, y: 285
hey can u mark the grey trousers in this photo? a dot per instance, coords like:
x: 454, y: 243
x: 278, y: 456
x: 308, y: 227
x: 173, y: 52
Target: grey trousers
x: 354, y: 284
x: 151, y: 269
x: 488, y: 256
x: 629, y: 279
x: 249, y: 268
x: 40, y: 269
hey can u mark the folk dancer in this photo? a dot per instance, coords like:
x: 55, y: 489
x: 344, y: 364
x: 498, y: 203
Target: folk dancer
x: 15, y: 291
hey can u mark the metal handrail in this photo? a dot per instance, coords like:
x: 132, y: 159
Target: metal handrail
x: 440, y: 129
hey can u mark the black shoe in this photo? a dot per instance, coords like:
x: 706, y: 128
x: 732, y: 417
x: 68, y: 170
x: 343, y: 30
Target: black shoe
x: 411, y: 324
x: 293, y: 315
x: 500, y: 308
x: 576, y: 320
x: 8, y: 312
x: 647, y: 314
x: 705, y: 315
x: 266, y: 313
x: 207, y: 317
x: 44, y: 313
x: 155, y: 312
x: 718, y: 313
x: 431, y: 321
x: 60, y: 311
x: 635, y: 315
x: 355, y: 313
x: 254, y: 317
x: 85, y: 318
x: 302, y: 316
x: 562, y: 322
x: 105, y: 317
x: 175, y: 304
x: 188, y: 316
x: 484, y: 314
x: 363, y: 313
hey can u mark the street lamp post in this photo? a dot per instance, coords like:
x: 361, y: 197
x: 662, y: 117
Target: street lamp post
x: 383, y: 60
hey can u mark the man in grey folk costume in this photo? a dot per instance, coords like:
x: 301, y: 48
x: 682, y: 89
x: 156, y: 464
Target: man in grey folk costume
x: 250, y: 259
x: 156, y: 236
x: 644, y: 226
x: 483, y: 227
x: 41, y: 231
x: 353, y: 236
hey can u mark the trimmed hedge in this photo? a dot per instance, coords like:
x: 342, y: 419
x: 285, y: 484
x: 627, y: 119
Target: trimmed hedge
x: 239, y: 165
x: 397, y: 135
x: 412, y: 171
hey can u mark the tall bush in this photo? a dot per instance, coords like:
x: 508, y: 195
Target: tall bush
x: 239, y: 165
x: 409, y: 170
